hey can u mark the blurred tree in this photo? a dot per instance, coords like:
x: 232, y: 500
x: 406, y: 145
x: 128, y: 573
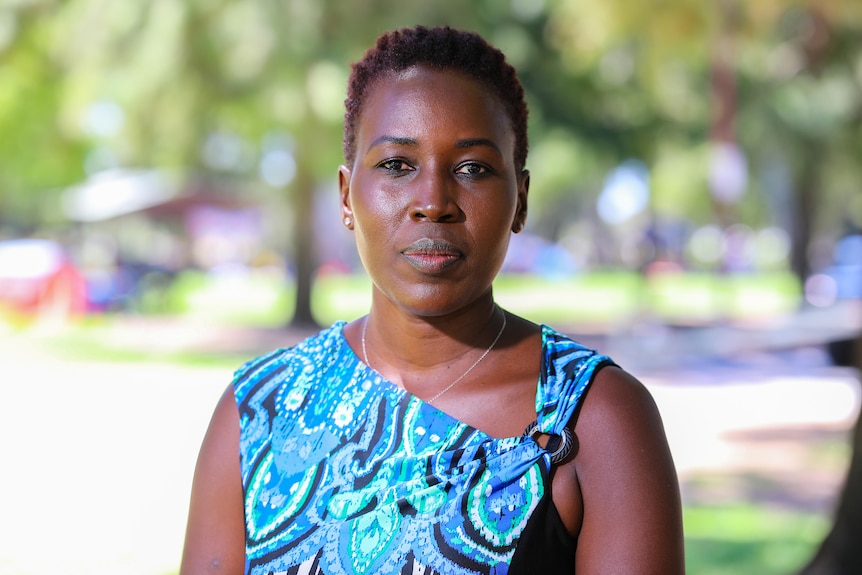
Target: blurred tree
x: 785, y: 79
x: 252, y: 90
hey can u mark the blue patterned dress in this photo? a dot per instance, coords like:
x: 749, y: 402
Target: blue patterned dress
x: 344, y: 473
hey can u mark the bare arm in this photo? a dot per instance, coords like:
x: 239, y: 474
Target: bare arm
x: 632, y: 518
x: 215, y: 534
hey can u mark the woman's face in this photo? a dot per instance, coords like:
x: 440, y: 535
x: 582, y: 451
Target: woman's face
x: 433, y: 193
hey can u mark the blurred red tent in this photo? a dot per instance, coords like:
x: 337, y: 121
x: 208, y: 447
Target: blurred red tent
x: 38, y: 280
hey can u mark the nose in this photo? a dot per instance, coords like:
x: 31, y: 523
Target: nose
x: 434, y: 198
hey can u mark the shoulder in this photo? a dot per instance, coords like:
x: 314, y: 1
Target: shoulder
x: 618, y: 398
x: 619, y: 421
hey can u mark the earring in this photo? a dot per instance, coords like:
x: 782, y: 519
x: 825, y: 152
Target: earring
x: 347, y: 221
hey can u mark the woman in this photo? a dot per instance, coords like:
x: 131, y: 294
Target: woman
x: 396, y: 443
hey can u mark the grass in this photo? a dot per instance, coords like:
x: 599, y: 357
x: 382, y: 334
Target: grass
x: 608, y: 297
x: 750, y: 539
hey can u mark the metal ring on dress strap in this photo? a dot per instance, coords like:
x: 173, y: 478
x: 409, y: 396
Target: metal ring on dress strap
x: 567, y: 440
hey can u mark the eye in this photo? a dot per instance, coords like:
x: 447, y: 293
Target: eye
x: 395, y: 165
x: 472, y: 169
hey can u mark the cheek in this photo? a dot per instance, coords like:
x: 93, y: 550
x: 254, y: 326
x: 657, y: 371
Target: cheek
x: 378, y: 218
x: 374, y: 227
x: 494, y: 213
x: 496, y: 231
x: 364, y: 248
x: 374, y: 203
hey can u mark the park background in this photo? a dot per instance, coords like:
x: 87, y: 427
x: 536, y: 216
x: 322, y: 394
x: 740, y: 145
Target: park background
x: 168, y: 207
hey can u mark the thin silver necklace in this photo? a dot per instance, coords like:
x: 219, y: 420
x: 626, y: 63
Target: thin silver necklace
x: 463, y: 375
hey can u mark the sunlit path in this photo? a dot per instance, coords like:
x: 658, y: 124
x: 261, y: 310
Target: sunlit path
x: 98, y: 460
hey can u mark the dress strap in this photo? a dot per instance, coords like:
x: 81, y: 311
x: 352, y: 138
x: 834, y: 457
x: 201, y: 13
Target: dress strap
x: 568, y: 368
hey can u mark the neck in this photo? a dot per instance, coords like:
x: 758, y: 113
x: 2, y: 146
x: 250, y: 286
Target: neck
x: 406, y: 348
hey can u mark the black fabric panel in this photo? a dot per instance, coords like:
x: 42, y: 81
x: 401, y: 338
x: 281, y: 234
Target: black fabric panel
x: 545, y: 546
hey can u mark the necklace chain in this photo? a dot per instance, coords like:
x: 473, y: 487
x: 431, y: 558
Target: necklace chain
x: 463, y: 375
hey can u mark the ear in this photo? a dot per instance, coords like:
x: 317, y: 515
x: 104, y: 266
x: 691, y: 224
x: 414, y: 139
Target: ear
x: 344, y: 195
x: 521, y: 211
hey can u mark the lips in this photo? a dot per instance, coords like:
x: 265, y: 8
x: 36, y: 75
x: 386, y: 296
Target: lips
x: 432, y: 255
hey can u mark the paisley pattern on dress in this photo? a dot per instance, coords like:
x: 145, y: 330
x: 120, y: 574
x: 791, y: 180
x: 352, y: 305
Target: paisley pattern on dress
x: 344, y: 473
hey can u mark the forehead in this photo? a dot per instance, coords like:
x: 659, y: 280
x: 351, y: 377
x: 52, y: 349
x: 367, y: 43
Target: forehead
x: 421, y: 100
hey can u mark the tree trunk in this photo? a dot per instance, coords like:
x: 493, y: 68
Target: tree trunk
x: 805, y: 210
x: 303, y: 243
x: 841, y: 551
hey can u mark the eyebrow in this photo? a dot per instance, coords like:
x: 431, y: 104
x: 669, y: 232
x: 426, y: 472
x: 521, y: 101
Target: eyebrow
x: 460, y: 144
x: 472, y: 142
x: 401, y: 141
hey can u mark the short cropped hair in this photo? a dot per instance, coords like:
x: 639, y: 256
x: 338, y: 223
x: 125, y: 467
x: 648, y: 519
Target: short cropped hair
x: 444, y: 48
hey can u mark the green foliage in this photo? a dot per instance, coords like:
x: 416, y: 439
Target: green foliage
x: 606, y: 77
x: 37, y: 153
